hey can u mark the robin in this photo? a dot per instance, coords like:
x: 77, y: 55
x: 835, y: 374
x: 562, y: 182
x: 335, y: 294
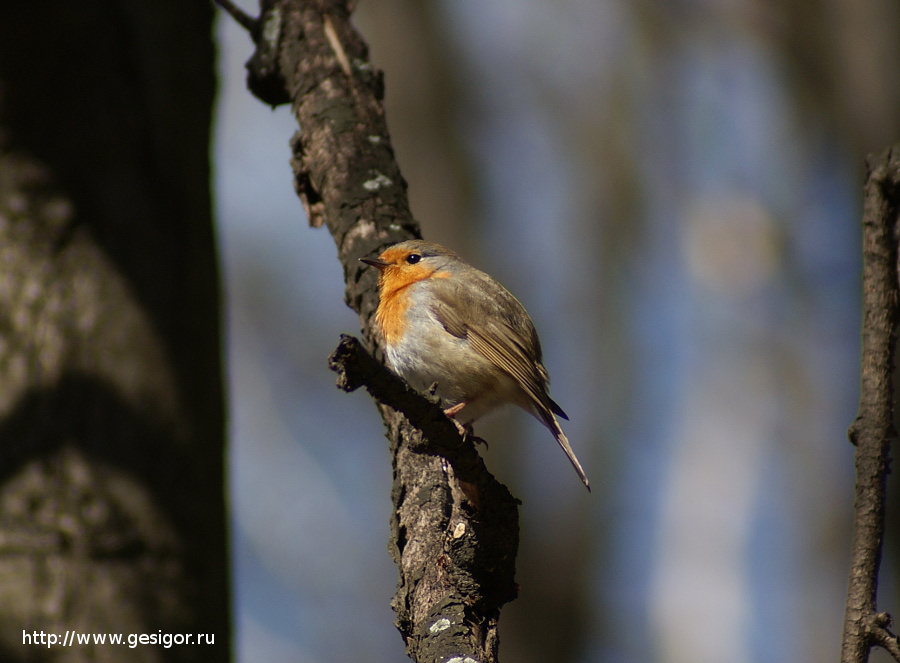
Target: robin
x: 446, y: 323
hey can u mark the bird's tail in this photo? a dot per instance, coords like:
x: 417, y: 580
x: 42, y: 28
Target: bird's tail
x: 550, y: 422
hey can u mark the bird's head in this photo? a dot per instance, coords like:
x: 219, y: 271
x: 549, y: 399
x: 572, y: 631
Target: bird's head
x: 409, y: 262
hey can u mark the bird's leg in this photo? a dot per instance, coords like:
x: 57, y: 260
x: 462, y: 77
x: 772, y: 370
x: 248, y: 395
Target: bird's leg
x: 464, y: 429
x: 455, y: 409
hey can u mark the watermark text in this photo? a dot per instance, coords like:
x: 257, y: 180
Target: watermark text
x: 132, y: 640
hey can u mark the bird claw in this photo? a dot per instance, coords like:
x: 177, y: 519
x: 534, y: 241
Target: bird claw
x: 466, y: 431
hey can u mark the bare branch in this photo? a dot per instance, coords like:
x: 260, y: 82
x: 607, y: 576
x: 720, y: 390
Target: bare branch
x: 454, y: 533
x: 883, y: 638
x: 249, y: 23
x: 357, y: 368
x: 873, y: 430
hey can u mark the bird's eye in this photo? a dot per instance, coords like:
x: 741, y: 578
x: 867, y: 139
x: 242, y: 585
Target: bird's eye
x: 413, y: 258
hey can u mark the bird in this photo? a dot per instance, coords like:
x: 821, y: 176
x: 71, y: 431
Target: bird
x: 454, y: 331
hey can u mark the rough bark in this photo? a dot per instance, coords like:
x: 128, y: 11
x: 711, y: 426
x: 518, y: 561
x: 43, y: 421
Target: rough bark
x: 112, y: 514
x: 454, y: 531
x: 873, y: 429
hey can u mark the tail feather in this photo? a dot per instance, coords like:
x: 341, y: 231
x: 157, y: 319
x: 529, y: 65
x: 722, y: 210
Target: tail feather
x: 556, y: 409
x: 550, y: 422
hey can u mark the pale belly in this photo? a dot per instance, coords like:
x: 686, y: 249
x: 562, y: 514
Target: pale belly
x: 427, y: 355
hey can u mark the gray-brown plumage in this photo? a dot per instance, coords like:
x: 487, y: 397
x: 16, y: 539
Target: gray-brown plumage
x: 445, y: 322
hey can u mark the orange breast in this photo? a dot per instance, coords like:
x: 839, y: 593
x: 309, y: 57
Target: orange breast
x: 394, y: 283
x: 391, y: 314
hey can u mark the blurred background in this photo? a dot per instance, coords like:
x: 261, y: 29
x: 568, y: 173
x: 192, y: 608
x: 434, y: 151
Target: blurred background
x: 673, y: 191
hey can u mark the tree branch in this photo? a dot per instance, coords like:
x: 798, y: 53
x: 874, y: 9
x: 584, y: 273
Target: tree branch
x: 249, y: 23
x: 454, y: 530
x: 881, y: 636
x: 439, y: 435
x: 873, y: 430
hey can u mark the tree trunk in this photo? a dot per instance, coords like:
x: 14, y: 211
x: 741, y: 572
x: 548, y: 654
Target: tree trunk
x: 112, y: 512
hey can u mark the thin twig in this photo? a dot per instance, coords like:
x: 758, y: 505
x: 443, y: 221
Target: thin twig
x: 873, y: 430
x: 249, y: 23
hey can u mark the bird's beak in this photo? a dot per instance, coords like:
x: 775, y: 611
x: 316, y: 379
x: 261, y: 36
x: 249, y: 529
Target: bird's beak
x: 375, y: 262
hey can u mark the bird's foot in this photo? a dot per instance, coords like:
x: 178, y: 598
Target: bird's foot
x: 465, y: 430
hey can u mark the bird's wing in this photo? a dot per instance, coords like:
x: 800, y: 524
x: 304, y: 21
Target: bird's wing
x: 498, y: 328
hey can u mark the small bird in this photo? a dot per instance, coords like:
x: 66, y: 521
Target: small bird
x: 446, y: 323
